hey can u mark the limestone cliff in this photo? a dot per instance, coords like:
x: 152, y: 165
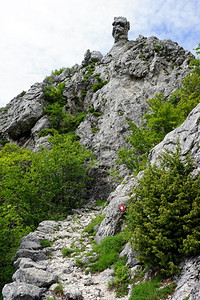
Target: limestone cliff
x: 111, y: 89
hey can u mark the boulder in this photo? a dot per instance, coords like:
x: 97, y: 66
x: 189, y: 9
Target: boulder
x: 71, y: 292
x: 35, y: 276
x: 22, y: 291
x: 113, y: 219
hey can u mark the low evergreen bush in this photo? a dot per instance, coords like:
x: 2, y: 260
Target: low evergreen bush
x: 164, y: 214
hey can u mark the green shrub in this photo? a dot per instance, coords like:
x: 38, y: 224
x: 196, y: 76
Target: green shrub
x: 3, y: 142
x: 196, y: 62
x: 69, y: 122
x: 57, y: 72
x: 38, y: 186
x: 55, y: 114
x: 108, y: 252
x: 46, y: 243
x: 89, y: 71
x: 83, y: 93
x: 97, y: 114
x: 67, y: 252
x: 91, y: 109
x: 58, y: 291
x: 98, y: 85
x: 45, y: 132
x: 95, y: 129
x: 165, y: 196
x: 122, y: 278
x: 55, y: 93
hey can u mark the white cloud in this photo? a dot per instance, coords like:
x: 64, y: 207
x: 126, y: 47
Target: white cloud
x: 38, y: 36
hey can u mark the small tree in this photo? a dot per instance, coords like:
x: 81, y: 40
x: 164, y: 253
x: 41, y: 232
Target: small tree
x: 164, y: 213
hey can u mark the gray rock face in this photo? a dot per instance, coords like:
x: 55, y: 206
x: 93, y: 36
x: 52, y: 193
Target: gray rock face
x: 132, y: 260
x: 113, y: 219
x: 189, y: 136
x: 136, y: 71
x: 23, y: 113
x: 188, y: 281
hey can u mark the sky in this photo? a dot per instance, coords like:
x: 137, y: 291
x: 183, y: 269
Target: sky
x: 39, y: 36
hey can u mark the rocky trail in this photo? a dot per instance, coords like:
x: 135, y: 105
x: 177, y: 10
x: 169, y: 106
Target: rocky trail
x: 43, y: 273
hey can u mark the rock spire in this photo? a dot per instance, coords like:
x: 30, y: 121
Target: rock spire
x: 120, y: 29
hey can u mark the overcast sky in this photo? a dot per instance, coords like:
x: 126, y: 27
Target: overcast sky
x: 38, y: 36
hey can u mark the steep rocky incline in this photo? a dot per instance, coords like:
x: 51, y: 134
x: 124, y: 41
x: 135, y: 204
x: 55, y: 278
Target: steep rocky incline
x: 116, y: 86
x: 40, y: 269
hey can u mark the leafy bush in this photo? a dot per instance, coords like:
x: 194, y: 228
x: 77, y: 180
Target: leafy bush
x: 70, y: 122
x: 38, y: 186
x: 122, y: 278
x: 57, y: 72
x: 54, y: 93
x: 165, y: 196
x: 196, y: 62
x: 45, y: 132
x: 89, y: 71
x: 91, y: 109
x: 98, y: 85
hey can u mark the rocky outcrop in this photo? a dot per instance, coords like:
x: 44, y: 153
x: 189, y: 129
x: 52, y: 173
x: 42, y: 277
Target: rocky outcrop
x: 22, y: 113
x: 113, y: 215
x: 120, y: 29
x: 188, y: 285
x: 188, y: 134
x: 116, y: 86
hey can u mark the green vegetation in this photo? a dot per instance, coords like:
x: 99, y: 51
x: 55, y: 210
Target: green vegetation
x: 57, y: 72
x: 162, y: 116
x: 91, y: 227
x: 4, y: 141
x: 98, y: 85
x: 67, y: 252
x: 89, y: 71
x: 38, y: 186
x: 58, y: 291
x: 45, y: 132
x: 122, y: 278
x: 108, y: 252
x: 61, y: 122
x: 165, y: 196
x: 95, y: 129
x: 97, y: 114
x: 46, y: 243
x: 151, y: 290
x: 54, y: 94
x: 5, y: 108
